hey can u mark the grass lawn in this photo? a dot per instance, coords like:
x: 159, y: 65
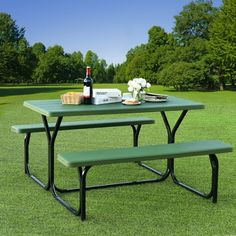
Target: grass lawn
x: 150, y: 209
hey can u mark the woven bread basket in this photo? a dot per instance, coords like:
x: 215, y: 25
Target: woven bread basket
x: 72, y: 98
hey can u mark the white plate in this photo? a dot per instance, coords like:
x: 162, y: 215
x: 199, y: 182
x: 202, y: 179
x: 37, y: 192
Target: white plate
x: 153, y: 99
x: 131, y: 104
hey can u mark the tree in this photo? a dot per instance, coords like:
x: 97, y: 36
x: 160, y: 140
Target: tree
x: 194, y: 21
x: 50, y: 68
x: 157, y: 38
x: 99, y: 71
x: 9, y: 31
x: 98, y: 66
x: 38, y: 49
x: 12, y: 51
x: 27, y: 61
x: 110, y: 72
x: 222, y: 44
x: 9, y: 64
x: 182, y: 75
x: 78, y: 65
x: 90, y: 59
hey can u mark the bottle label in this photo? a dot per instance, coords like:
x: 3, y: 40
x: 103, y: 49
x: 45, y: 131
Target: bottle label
x: 86, y: 91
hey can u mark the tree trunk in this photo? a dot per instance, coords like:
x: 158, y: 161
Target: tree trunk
x: 232, y: 80
x: 222, y: 84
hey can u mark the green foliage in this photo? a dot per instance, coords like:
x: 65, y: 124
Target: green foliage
x: 193, y: 21
x: 14, y: 52
x: 222, y: 44
x: 38, y: 49
x: 110, y: 72
x: 157, y: 37
x: 182, y: 59
x: 9, y: 31
x: 24, y: 64
x: 200, y: 52
x: 9, y: 64
x: 182, y: 75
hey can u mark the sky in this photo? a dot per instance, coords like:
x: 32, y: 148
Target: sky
x: 110, y: 28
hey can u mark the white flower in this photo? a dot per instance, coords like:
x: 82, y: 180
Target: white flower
x: 131, y: 83
x: 148, y: 85
x: 136, y: 85
x: 130, y: 89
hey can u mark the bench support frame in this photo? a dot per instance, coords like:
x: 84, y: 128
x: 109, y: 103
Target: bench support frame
x: 82, y: 171
x: 51, y: 137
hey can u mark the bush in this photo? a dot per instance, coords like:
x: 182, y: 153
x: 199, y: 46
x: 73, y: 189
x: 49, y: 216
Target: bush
x: 183, y: 76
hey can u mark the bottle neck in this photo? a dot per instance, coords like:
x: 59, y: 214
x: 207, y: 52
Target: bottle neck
x: 88, y: 71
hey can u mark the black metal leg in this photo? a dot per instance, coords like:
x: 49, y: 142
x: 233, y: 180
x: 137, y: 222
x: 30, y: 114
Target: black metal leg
x: 213, y: 159
x: 63, y: 202
x: 136, y: 131
x: 215, y: 171
x: 26, y: 163
x: 171, y: 139
x: 51, y: 143
x: 171, y: 135
x: 26, y: 153
x: 82, y: 195
x: 82, y: 175
x: 214, y: 181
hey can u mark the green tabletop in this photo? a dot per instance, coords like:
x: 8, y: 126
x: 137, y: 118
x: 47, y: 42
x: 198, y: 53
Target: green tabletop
x: 54, y: 108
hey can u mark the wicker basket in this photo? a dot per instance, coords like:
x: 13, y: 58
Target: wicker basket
x: 72, y: 98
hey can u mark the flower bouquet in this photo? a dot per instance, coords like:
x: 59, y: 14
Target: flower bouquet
x: 137, y: 86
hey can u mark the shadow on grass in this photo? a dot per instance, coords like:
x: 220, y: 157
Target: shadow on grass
x: 14, y: 91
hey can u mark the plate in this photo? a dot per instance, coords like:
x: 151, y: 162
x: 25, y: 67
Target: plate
x: 156, y: 95
x: 131, y: 104
x: 154, y: 99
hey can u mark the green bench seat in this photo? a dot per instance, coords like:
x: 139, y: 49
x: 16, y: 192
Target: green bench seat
x: 147, y: 153
x: 28, y: 129
x: 83, y: 160
x: 35, y: 128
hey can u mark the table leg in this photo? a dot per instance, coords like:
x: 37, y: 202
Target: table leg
x: 171, y: 135
x: 171, y: 139
x: 51, y: 142
x: 27, y: 165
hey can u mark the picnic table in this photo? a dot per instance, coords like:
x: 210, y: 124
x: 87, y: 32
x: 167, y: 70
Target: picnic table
x: 54, y: 108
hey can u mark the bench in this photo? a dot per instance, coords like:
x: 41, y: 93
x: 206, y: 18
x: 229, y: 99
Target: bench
x: 83, y: 161
x: 28, y: 129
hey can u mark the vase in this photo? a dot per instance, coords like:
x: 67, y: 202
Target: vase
x: 140, y: 96
x: 135, y: 95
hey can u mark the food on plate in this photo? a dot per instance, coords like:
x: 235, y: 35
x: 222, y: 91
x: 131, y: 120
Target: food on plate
x: 131, y: 101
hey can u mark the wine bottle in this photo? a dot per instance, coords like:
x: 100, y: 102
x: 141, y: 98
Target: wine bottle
x: 88, y: 87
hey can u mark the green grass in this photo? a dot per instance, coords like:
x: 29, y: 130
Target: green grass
x: 151, y: 209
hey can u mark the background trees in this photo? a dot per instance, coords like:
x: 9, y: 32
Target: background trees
x: 199, y: 53
x: 22, y: 63
x: 12, y: 51
x: 222, y: 44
